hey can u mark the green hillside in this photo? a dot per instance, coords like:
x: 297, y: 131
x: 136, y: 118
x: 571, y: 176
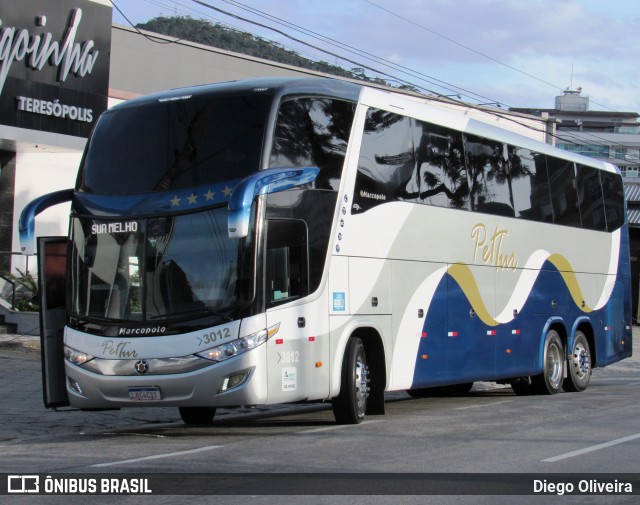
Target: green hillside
x: 216, y: 35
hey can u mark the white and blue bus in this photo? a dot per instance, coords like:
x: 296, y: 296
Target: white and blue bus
x: 289, y: 240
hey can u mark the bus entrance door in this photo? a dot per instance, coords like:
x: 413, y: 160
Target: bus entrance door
x: 52, y: 279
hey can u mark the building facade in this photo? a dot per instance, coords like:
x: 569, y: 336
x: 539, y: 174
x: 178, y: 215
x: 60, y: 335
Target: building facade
x: 607, y: 135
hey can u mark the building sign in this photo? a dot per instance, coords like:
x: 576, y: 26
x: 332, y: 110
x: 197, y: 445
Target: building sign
x: 54, y: 64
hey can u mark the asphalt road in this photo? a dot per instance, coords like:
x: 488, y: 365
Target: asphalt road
x: 490, y: 430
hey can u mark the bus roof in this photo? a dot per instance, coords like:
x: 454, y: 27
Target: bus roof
x: 389, y: 99
x: 273, y: 85
x: 421, y: 109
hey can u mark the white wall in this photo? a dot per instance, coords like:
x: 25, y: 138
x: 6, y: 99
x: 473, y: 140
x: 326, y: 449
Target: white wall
x: 36, y: 175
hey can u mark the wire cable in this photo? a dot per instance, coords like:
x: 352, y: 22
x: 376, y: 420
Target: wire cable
x: 369, y: 56
x: 495, y: 60
x: 372, y: 57
x: 148, y: 37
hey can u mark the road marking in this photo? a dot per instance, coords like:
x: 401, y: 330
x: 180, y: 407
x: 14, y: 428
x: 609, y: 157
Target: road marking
x: 593, y: 448
x: 482, y: 405
x: 616, y: 379
x: 157, y: 456
x: 132, y: 434
x: 334, y: 427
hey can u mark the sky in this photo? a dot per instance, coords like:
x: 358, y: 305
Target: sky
x: 510, y: 52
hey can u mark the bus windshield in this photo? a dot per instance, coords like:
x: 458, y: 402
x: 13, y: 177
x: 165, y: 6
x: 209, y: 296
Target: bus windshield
x: 175, y: 260
x: 162, y: 146
x: 152, y: 269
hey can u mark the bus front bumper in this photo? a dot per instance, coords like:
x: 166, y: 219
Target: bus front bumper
x: 240, y: 380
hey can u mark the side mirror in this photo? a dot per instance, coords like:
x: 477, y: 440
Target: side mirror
x: 28, y: 217
x: 271, y: 180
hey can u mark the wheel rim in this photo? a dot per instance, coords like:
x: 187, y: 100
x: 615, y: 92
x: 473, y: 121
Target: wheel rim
x: 361, y: 384
x: 554, y: 364
x: 580, y: 361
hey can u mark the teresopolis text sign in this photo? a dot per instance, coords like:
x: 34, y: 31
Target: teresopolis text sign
x: 54, y: 64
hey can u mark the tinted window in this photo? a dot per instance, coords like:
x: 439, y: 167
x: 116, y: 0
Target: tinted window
x: 590, y: 198
x: 287, y: 273
x: 564, y: 198
x: 176, y: 144
x: 487, y: 166
x: 316, y: 210
x: 405, y: 159
x: 442, y: 175
x: 613, y: 192
x: 313, y: 132
x: 529, y: 184
x: 156, y: 270
x: 386, y: 167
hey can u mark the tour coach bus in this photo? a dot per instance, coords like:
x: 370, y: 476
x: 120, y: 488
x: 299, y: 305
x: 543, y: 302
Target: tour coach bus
x: 291, y: 240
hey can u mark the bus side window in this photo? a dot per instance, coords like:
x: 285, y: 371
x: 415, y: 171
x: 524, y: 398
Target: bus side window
x: 488, y: 171
x: 590, y: 198
x: 287, y: 271
x: 564, y: 197
x: 386, y: 165
x: 613, y: 192
x: 530, y: 184
x: 441, y: 167
x: 313, y: 132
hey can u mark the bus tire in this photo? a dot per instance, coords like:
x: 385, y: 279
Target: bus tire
x: 350, y: 406
x: 549, y: 382
x: 197, y: 415
x: 578, y: 364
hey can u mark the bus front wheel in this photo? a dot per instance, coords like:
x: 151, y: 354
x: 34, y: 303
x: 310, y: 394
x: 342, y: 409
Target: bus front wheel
x: 553, y: 359
x: 350, y: 405
x: 197, y: 415
x: 579, y: 364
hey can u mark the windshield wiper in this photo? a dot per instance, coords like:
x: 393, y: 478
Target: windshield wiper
x: 226, y: 313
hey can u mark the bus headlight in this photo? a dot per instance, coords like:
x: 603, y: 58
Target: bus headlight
x: 76, y: 357
x: 240, y: 345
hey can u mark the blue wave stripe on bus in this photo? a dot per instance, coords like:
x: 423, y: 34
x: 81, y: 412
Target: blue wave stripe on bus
x: 514, y: 348
x: 151, y: 203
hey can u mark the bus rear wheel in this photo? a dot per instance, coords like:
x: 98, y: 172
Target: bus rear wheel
x: 579, y: 365
x: 350, y: 405
x: 549, y: 382
x: 197, y: 415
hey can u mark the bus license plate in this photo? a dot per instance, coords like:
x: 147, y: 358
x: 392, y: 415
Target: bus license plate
x: 145, y: 394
